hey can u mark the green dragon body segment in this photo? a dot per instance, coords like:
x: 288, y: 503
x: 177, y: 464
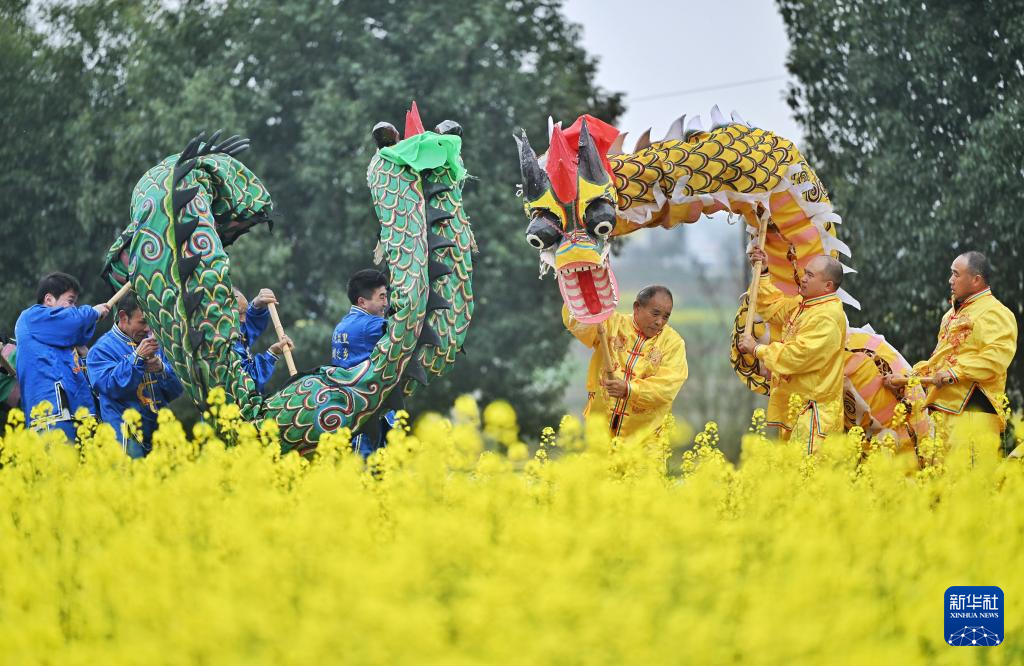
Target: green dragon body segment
x: 188, y: 208
x: 451, y: 243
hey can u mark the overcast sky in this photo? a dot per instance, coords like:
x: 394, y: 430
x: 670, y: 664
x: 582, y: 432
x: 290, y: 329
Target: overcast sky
x: 665, y: 56
x: 656, y: 51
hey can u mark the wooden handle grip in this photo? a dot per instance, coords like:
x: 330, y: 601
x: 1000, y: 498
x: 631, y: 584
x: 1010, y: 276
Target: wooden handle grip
x: 762, y: 231
x: 280, y: 336
x: 119, y: 295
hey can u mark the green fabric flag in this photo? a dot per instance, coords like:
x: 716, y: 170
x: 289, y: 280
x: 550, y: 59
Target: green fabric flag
x: 428, y: 150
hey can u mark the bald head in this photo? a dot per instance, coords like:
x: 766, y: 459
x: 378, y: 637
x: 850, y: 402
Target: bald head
x: 644, y: 296
x: 969, y: 274
x: 832, y: 270
x: 823, y: 275
x: 977, y: 264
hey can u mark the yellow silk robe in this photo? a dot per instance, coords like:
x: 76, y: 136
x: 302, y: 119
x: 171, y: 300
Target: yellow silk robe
x: 806, y: 361
x: 654, y: 369
x: 976, y: 343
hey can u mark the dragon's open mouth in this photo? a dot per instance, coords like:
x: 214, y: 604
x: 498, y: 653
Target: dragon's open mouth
x: 589, y: 291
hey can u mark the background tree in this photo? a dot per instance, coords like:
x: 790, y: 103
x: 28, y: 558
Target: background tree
x: 116, y: 86
x: 912, y: 116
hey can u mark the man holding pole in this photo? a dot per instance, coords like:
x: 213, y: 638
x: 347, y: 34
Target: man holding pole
x: 638, y: 365
x: 128, y: 371
x: 253, y: 319
x: 49, y: 366
x: 806, y: 363
x: 357, y: 334
x: 966, y: 373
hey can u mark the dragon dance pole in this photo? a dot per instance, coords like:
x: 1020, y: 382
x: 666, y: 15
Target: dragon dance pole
x: 280, y: 336
x: 762, y: 231
x: 119, y: 295
x: 900, y: 381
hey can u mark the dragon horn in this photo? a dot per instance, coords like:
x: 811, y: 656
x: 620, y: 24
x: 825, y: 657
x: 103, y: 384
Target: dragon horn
x: 591, y: 168
x: 535, y: 181
x: 413, y: 124
x: 561, y: 166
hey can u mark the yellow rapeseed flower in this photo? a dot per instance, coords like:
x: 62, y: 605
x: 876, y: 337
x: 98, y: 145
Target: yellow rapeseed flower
x: 41, y: 411
x: 216, y: 396
x: 899, y: 416
x: 795, y: 406
x: 466, y: 410
x: 809, y: 556
x: 16, y: 419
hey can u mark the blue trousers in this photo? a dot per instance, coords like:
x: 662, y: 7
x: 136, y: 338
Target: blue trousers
x: 361, y: 443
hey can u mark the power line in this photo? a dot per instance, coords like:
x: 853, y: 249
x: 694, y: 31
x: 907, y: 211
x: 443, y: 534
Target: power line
x: 735, y: 84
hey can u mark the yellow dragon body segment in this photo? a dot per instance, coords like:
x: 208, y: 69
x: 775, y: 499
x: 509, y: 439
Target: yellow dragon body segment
x: 584, y: 190
x: 742, y: 170
x: 736, y: 169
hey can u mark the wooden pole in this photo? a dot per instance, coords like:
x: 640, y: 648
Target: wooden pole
x: 762, y: 231
x: 119, y: 295
x: 899, y: 381
x: 606, y: 352
x: 280, y: 336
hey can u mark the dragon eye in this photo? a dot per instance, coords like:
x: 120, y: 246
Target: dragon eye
x: 603, y: 228
x: 543, y: 231
x: 600, y: 218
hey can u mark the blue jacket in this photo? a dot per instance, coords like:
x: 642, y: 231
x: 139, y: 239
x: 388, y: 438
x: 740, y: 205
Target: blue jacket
x: 120, y: 380
x: 355, y: 336
x: 259, y: 366
x: 49, y: 367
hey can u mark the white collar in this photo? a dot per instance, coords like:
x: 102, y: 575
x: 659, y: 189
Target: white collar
x: 121, y: 334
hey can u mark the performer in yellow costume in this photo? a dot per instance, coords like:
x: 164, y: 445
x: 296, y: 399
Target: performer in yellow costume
x: 967, y: 370
x: 807, y: 361
x: 649, y: 360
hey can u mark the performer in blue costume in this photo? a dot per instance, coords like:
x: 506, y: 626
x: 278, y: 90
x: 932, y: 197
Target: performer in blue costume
x: 50, y: 366
x: 253, y: 319
x: 356, y: 335
x: 127, y: 369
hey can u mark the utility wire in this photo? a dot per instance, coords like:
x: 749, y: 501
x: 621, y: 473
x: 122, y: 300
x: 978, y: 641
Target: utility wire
x: 735, y: 84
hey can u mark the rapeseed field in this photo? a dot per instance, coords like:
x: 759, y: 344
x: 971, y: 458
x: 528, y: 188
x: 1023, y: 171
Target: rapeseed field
x: 459, y: 544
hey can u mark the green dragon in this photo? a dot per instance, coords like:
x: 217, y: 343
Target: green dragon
x: 189, y: 208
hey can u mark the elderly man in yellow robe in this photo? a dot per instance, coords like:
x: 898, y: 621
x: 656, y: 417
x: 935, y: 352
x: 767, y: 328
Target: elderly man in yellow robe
x: 649, y: 365
x: 806, y: 362
x: 966, y: 373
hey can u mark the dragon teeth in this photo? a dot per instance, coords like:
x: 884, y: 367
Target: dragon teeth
x: 579, y: 269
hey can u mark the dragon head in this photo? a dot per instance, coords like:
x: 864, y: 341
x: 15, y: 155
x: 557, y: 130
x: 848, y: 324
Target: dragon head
x: 570, y: 198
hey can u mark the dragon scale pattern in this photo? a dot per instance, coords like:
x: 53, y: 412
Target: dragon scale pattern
x: 190, y: 207
x: 451, y: 242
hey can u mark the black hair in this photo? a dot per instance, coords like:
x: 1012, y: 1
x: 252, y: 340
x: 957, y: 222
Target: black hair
x: 978, y: 264
x: 128, y: 304
x: 56, y: 284
x: 644, y: 296
x: 363, y: 283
